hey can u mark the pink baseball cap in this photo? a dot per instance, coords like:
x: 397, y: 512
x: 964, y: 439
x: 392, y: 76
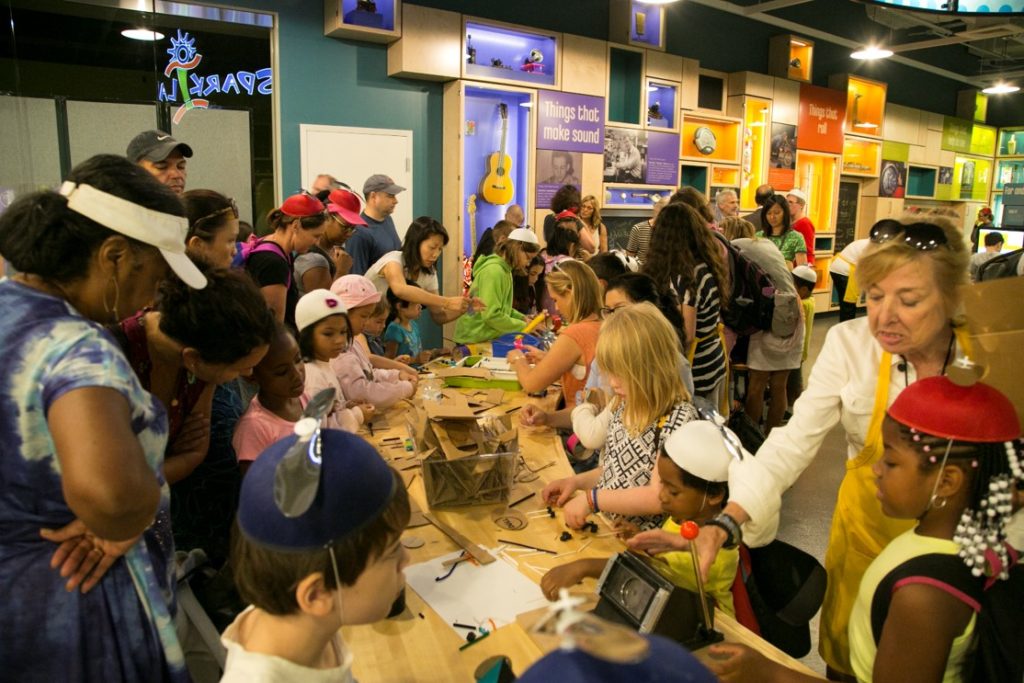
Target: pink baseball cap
x: 345, y: 203
x: 355, y: 291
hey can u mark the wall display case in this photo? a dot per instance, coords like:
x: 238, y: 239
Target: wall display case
x: 710, y: 139
x: 662, y: 104
x: 488, y: 143
x: 922, y: 181
x: 506, y: 53
x: 972, y: 178
x: 997, y: 208
x: 1009, y: 171
x: 637, y: 23
x: 983, y: 140
x: 711, y: 90
x: 861, y: 157
x: 791, y: 57
x: 1011, y: 142
x: 376, y: 21
x: 633, y: 196
x: 757, y: 121
x: 695, y: 175
x: 817, y: 174
x: 626, y: 99
x: 865, y: 104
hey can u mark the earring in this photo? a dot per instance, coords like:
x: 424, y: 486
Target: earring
x: 107, y: 308
x: 937, y: 503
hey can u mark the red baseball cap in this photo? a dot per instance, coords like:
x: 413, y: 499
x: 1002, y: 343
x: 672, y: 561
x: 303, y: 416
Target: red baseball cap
x: 345, y: 203
x: 565, y: 214
x: 302, y: 205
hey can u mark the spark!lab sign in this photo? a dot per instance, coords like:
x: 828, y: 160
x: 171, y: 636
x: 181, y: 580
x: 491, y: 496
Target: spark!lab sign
x: 193, y: 89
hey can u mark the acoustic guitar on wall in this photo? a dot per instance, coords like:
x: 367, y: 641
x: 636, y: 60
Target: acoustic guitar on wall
x: 496, y: 187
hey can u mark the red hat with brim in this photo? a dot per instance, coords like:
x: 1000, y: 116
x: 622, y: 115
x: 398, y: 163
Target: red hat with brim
x: 565, y: 215
x: 346, y: 204
x: 302, y: 205
x: 942, y: 408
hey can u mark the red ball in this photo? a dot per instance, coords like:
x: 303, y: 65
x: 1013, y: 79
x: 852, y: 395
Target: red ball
x: 689, y: 530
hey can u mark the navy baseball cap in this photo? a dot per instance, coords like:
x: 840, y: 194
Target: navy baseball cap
x: 356, y: 486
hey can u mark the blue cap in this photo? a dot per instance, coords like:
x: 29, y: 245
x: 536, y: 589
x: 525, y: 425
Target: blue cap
x: 665, y: 661
x: 356, y: 486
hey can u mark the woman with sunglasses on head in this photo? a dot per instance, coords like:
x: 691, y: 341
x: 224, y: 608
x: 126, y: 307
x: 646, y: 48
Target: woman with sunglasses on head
x: 327, y: 260
x: 296, y: 226
x: 212, y: 227
x: 913, y: 273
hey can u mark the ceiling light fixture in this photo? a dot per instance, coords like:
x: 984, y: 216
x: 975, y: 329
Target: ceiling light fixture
x: 1000, y: 89
x: 872, y: 52
x: 656, y: 2
x: 142, y: 34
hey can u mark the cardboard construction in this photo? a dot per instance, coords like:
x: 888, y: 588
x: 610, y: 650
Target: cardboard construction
x: 995, y: 321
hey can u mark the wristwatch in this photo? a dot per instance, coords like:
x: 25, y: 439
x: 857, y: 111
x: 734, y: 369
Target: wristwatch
x: 728, y: 524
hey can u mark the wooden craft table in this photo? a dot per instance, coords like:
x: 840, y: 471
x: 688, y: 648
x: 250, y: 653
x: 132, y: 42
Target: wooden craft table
x: 417, y: 645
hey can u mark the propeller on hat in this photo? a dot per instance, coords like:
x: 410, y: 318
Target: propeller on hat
x: 297, y: 477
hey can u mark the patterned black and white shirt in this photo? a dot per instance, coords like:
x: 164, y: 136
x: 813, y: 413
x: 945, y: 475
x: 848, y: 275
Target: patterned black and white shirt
x: 628, y: 462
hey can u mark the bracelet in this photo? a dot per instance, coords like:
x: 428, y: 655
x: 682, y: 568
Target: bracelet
x: 593, y: 494
x: 728, y: 524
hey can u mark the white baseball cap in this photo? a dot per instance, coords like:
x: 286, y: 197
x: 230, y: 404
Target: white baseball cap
x: 699, y: 448
x: 806, y: 273
x: 799, y: 194
x: 164, y: 231
x: 315, y: 306
x: 524, y: 235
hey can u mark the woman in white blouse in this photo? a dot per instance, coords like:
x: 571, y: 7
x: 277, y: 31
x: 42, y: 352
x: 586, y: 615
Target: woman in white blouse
x: 913, y: 274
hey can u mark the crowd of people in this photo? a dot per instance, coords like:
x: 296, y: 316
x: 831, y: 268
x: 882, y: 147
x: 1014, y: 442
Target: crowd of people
x: 159, y: 361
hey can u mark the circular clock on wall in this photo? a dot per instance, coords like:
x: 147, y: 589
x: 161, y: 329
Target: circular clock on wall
x: 704, y: 140
x: 890, y: 180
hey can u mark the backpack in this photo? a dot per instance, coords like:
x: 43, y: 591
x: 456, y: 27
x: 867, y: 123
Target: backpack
x: 255, y: 245
x: 998, y: 629
x: 752, y: 299
x: 1004, y: 265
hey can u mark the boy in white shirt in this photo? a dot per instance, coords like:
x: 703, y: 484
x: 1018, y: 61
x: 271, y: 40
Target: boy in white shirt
x: 333, y: 559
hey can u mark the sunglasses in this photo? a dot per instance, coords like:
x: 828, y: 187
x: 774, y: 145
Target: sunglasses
x: 920, y: 236
x: 606, y: 312
x: 232, y: 208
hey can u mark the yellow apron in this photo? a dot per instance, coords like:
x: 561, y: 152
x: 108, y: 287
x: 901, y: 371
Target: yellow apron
x: 852, y: 294
x: 859, y: 528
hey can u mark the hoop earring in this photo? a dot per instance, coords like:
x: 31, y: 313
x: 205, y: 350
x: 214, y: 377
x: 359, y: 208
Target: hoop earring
x: 108, y: 309
x: 937, y: 503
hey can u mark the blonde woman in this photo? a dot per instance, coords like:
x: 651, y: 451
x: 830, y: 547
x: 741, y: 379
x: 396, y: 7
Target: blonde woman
x: 577, y: 295
x: 649, y: 402
x: 593, y: 233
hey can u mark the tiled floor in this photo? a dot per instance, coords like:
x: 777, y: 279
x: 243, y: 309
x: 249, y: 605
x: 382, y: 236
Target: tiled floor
x: 807, y: 507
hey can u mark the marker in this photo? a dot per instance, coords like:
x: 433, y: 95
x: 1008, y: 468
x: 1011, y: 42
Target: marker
x: 458, y: 625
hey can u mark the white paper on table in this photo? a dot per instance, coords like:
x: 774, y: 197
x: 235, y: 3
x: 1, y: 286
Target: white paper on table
x: 473, y: 594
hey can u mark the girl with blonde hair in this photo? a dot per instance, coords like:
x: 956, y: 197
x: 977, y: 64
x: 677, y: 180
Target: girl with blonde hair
x: 593, y: 232
x: 577, y: 295
x: 649, y: 403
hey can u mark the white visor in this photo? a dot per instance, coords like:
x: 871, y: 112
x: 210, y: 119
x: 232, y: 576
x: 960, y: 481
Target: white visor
x: 524, y: 235
x: 161, y: 230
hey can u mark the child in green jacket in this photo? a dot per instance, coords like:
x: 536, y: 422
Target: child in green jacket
x: 492, y: 283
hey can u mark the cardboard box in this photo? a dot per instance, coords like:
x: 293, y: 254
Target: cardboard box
x: 995, y: 320
x: 466, y: 459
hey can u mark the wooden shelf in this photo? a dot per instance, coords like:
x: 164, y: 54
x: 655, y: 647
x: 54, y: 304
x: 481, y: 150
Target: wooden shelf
x: 791, y: 57
x: 342, y: 19
x: 727, y: 138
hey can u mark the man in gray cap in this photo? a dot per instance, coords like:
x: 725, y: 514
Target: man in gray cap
x: 161, y: 155
x: 379, y: 236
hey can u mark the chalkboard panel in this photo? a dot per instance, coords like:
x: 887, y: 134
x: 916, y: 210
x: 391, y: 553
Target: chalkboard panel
x: 619, y: 227
x: 846, y: 218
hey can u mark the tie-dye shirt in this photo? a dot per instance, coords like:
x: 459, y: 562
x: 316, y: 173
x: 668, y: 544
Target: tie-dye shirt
x: 122, y: 630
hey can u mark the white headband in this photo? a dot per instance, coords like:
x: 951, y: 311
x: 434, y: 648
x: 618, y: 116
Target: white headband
x: 161, y: 230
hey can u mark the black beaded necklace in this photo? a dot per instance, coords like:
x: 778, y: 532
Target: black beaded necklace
x: 945, y: 363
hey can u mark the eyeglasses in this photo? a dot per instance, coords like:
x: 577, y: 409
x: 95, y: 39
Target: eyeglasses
x: 920, y: 236
x: 706, y: 411
x: 232, y: 208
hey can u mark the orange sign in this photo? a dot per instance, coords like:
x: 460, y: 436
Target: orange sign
x: 860, y: 157
x: 821, y: 118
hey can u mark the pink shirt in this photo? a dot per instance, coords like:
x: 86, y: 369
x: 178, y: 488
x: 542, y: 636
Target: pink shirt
x: 360, y: 381
x: 320, y: 376
x: 258, y: 428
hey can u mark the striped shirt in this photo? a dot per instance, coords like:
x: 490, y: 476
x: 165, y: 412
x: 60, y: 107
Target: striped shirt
x: 709, y: 356
x: 639, y: 240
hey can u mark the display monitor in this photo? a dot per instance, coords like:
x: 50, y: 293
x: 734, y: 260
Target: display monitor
x: 1012, y: 239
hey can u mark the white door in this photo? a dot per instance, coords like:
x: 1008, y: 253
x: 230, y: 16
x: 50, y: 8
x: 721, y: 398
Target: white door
x: 354, y: 154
